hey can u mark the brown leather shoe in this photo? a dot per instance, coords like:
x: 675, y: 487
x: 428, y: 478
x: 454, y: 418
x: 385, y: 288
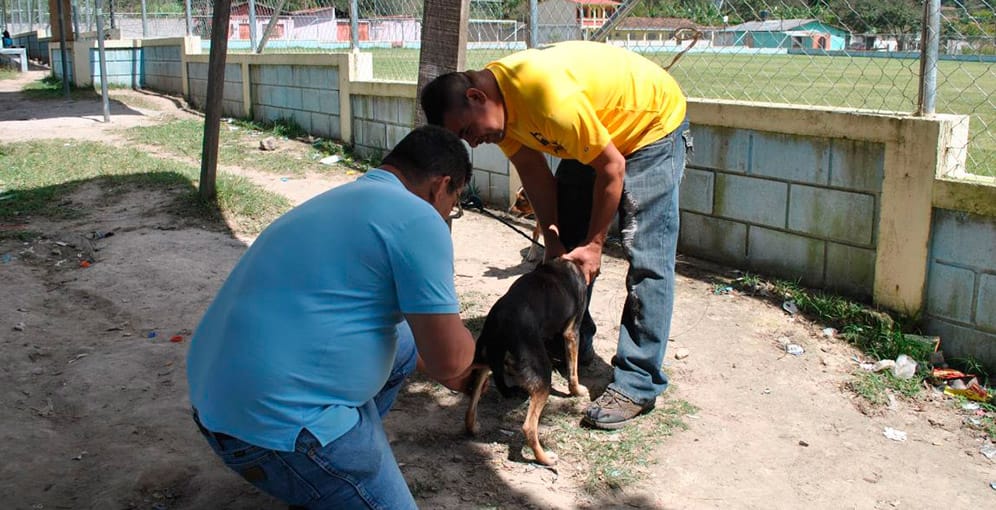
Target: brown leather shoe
x: 613, y: 410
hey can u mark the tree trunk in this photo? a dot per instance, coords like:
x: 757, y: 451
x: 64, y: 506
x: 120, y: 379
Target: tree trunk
x: 444, y: 43
x: 215, y: 91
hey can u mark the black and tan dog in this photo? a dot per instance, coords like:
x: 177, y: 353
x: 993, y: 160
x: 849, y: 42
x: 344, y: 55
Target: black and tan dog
x: 540, y: 315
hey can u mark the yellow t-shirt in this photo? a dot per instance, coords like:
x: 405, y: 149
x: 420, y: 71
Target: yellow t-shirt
x: 570, y: 99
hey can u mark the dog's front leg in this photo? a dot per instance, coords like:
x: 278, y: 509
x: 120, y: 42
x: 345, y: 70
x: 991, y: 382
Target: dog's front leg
x: 534, y: 248
x: 571, y: 345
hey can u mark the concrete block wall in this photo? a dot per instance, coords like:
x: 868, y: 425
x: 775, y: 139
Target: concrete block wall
x: 961, y: 285
x: 35, y: 43
x: 56, y: 59
x: 380, y: 122
x: 799, y: 207
x: 161, y: 68
x: 232, y: 97
x: 306, y: 94
x: 123, y: 66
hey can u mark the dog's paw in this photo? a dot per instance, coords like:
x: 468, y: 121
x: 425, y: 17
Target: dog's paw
x: 548, y: 459
x: 471, y: 430
x: 580, y: 391
x: 534, y: 254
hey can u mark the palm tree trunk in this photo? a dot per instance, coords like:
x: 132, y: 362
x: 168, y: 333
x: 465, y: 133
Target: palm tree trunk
x: 444, y: 43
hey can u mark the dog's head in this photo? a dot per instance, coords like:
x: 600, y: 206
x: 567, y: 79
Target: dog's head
x: 521, y: 208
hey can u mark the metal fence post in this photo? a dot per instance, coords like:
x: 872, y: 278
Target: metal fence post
x: 354, y: 25
x: 76, y: 20
x: 190, y: 22
x: 63, y: 54
x: 252, y: 24
x: 145, y: 22
x: 533, y: 23
x: 103, y: 60
x: 929, y: 47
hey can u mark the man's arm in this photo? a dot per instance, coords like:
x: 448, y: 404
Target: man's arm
x: 445, y: 348
x: 541, y: 188
x: 610, y: 168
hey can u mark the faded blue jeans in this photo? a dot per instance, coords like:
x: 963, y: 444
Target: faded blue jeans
x: 648, y: 222
x: 357, y: 470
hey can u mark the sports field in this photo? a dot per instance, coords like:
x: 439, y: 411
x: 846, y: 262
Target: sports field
x: 879, y: 84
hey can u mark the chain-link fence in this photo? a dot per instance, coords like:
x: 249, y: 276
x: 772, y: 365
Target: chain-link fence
x: 857, y: 54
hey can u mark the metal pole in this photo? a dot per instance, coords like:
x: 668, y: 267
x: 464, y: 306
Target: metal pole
x: 76, y: 19
x: 269, y: 26
x: 62, y: 49
x: 354, y: 25
x: 103, y: 61
x: 929, y: 47
x: 145, y: 22
x: 533, y: 20
x: 252, y: 24
x: 110, y: 9
x: 190, y: 22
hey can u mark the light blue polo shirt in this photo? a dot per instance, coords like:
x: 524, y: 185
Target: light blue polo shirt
x: 304, y: 329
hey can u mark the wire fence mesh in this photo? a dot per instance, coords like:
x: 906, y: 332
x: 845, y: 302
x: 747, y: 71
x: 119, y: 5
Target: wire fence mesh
x: 855, y: 54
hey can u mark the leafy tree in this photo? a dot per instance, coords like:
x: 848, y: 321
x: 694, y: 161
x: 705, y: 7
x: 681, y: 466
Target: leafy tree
x: 898, y: 18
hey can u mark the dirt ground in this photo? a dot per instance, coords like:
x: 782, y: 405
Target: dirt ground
x: 96, y: 415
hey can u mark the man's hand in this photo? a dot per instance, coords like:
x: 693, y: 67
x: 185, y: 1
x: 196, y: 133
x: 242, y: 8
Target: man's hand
x: 462, y: 382
x: 589, y: 258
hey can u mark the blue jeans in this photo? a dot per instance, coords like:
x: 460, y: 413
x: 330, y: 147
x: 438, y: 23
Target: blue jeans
x: 648, y: 220
x: 357, y: 470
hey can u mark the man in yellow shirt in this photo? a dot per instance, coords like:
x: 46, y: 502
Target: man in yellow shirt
x: 617, y: 121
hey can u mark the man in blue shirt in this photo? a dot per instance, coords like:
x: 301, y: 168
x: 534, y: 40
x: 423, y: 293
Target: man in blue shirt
x: 308, y: 341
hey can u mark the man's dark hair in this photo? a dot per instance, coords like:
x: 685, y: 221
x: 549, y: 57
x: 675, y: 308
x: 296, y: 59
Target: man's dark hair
x: 429, y: 151
x: 444, y: 94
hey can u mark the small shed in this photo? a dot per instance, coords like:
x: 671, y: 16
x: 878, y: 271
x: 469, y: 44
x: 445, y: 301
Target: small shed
x: 805, y: 34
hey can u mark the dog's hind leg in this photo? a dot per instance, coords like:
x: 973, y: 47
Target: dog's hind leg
x: 480, y: 381
x: 537, y: 400
x: 571, y: 346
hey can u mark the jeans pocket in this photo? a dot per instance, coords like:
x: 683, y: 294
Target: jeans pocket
x: 270, y: 472
x: 241, y: 453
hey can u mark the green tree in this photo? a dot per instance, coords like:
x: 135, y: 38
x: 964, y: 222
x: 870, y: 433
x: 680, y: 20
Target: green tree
x: 898, y: 18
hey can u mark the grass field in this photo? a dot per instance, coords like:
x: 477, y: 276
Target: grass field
x: 878, y: 84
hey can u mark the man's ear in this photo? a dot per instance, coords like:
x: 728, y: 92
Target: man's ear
x: 438, y: 186
x: 476, y: 95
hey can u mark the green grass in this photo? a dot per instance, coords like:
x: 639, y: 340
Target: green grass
x: 238, y: 145
x: 878, y: 84
x: 617, y: 459
x: 50, y: 87
x: 38, y: 176
x: 874, y: 387
x: 7, y: 73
